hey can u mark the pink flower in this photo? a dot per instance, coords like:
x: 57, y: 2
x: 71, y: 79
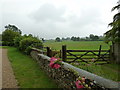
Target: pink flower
x: 56, y: 66
x: 78, y: 84
x: 52, y: 59
x: 53, y: 63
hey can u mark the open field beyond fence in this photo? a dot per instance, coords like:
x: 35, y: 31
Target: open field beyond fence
x: 80, y: 45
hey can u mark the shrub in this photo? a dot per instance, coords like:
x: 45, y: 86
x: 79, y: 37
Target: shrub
x: 30, y: 41
x: 7, y: 43
x: 8, y: 37
x: 17, y: 41
x: 28, y: 50
x: 37, y: 45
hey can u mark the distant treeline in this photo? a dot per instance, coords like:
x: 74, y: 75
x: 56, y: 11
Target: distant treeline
x: 91, y: 37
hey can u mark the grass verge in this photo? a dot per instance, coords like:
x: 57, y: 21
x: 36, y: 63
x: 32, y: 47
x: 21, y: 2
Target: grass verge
x: 27, y: 71
x: 109, y: 71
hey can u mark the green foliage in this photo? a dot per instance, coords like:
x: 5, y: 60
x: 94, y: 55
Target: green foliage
x: 75, y: 38
x: 13, y: 28
x: 30, y: 41
x: 29, y: 35
x: 90, y: 38
x: 37, y: 45
x: 93, y: 37
x: 57, y: 39
x: 0, y: 37
x: 12, y: 37
x: 114, y: 33
x: 17, y: 41
x: 8, y: 37
x: 28, y: 50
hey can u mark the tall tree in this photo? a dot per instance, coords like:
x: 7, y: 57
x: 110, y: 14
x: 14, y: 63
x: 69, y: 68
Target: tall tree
x: 91, y: 37
x: 114, y: 33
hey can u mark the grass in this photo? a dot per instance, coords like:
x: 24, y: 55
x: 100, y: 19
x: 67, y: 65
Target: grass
x: 102, y: 70
x: 109, y: 71
x: 27, y: 71
x: 82, y: 45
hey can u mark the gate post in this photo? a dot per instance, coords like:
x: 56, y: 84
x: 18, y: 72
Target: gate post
x: 48, y: 52
x: 64, y: 53
x: 99, y: 52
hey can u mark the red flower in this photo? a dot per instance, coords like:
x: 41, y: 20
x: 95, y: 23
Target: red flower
x: 78, y: 84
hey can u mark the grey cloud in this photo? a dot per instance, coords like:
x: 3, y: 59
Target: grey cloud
x: 48, y: 21
x: 87, y: 17
x: 50, y: 17
x: 49, y: 12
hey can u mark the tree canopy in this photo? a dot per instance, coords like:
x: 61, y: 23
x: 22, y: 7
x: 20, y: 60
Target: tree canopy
x: 114, y: 33
x: 13, y: 28
x: 57, y: 39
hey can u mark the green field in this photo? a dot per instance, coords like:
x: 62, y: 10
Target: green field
x: 110, y: 71
x: 80, y: 45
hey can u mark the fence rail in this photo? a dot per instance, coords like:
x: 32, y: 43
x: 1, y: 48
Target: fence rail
x: 86, y: 50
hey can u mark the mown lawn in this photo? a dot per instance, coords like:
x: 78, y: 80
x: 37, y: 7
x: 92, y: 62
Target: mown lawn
x: 109, y: 71
x: 27, y: 71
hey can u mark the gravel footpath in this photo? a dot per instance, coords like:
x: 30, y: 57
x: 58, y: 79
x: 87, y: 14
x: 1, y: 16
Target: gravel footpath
x: 0, y: 69
x: 8, y: 78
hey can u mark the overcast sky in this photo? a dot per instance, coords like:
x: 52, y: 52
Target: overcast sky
x: 58, y: 18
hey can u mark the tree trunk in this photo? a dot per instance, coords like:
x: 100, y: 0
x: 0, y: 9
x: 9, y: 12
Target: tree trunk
x: 117, y: 52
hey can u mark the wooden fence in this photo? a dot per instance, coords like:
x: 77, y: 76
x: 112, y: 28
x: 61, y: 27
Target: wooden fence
x: 80, y: 55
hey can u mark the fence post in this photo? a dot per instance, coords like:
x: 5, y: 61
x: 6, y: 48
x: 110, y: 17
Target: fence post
x: 99, y: 52
x: 64, y: 53
x: 60, y: 54
x: 48, y: 51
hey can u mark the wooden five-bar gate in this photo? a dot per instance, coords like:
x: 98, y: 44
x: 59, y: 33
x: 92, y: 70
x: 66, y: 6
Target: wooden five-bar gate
x: 85, y: 55
x: 80, y: 55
